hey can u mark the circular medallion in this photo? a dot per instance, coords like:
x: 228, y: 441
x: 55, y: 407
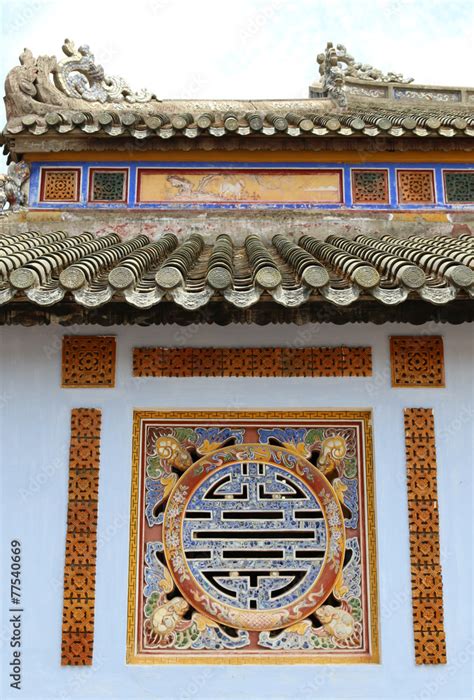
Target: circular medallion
x: 254, y: 536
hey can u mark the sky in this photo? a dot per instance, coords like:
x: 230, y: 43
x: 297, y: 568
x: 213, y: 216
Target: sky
x: 198, y: 49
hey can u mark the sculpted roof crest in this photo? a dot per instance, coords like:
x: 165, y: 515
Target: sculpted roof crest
x: 50, y: 81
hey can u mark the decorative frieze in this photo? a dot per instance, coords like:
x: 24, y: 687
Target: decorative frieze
x: 256, y: 186
x: 426, y: 577
x: 252, y: 362
x: 81, y: 538
x: 417, y: 361
x: 88, y: 361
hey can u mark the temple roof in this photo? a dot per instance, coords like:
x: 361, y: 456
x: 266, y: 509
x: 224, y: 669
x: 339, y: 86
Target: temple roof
x: 91, y: 271
x: 73, y: 96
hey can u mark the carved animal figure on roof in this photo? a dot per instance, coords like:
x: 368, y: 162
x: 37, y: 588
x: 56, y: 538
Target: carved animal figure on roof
x: 10, y: 187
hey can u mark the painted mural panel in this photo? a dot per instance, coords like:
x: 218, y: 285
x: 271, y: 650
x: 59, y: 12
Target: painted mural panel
x: 245, y: 186
x: 252, y: 538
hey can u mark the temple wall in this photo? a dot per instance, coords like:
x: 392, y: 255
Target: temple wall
x: 35, y: 441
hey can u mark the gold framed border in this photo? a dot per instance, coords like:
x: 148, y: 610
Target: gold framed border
x: 364, y: 415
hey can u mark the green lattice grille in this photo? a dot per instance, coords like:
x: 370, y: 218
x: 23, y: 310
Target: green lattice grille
x: 108, y: 186
x: 459, y: 187
x: 369, y: 186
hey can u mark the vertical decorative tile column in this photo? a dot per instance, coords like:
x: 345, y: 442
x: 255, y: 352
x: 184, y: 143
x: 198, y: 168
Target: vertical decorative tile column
x: 426, y: 579
x: 81, y: 538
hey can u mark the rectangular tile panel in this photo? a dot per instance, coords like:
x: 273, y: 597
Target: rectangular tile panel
x: 417, y: 361
x: 252, y: 362
x: 81, y: 538
x: 426, y: 578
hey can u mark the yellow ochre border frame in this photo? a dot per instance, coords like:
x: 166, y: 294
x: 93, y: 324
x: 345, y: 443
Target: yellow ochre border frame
x: 364, y: 415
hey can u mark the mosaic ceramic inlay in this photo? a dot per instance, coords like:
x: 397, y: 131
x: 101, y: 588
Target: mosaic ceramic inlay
x: 252, y: 538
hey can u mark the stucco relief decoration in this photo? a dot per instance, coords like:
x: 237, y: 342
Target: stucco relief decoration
x: 40, y: 85
x: 250, y: 539
x: 11, y: 188
x: 80, y: 76
x: 336, y: 64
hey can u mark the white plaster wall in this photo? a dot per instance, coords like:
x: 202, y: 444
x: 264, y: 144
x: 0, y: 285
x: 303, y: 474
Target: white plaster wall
x: 35, y: 436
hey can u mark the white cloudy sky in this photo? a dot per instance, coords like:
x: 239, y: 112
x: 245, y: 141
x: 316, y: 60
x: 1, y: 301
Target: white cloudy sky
x: 245, y: 48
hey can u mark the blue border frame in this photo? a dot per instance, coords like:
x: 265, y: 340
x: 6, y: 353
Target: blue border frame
x: 346, y: 168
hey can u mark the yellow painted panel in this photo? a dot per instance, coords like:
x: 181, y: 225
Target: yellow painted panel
x: 239, y: 186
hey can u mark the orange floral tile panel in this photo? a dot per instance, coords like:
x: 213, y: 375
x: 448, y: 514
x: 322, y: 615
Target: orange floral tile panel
x: 88, y: 361
x: 81, y: 538
x: 417, y: 361
x: 252, y: 362
x: 423, y: 518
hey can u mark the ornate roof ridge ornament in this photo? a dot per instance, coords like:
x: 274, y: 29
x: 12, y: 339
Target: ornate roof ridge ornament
x: 334, y: 74
x: 80, y: 76
x: 40, y: 85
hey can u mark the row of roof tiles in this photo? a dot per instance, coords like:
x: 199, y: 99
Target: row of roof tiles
x: 47, y: 267
x: 365, y: 120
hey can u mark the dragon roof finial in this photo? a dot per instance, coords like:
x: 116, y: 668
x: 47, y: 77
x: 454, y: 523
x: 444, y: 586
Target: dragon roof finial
x: 335, y: 65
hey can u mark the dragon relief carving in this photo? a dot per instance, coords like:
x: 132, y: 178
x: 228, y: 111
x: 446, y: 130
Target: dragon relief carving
x: 336, y: 64
x: 39, y: 85
x: 78, y: 75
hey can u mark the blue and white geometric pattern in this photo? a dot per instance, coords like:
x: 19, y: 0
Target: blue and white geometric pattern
x: 254, y: 536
